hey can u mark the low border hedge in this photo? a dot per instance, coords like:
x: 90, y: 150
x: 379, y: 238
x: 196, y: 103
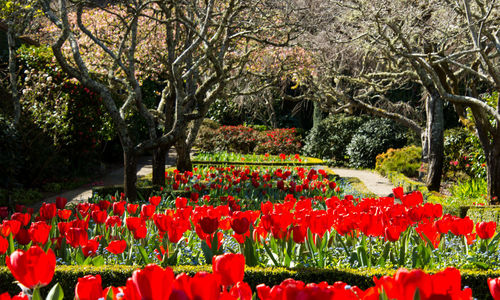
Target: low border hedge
x: 311, y: 161
x: 68, y: 276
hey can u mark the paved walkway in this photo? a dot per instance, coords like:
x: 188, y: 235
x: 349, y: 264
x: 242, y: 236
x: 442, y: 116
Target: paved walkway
x: 144, y: 167
x: 375, y: 182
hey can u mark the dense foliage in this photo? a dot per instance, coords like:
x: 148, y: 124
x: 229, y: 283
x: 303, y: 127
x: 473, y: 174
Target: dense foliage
x: 328, y: 140
x: 406, y: 160
x: 372, y: 138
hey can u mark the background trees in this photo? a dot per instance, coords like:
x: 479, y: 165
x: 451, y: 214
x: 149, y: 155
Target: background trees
x: 371, y: 50
x: 194, y: 49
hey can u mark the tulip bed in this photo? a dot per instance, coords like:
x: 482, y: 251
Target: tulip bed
x: 281, y: 217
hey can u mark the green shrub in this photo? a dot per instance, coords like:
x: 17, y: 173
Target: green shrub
x: 68, y: 276
x: 405, y: 160
x: 372, y: 138
x: 484, y: 214
x: 463, y: 154
x: 329, y: 139
x: 10, y: 159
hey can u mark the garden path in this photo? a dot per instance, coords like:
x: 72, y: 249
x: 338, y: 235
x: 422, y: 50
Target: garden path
x: 115, y: 176
x: 375, y: 182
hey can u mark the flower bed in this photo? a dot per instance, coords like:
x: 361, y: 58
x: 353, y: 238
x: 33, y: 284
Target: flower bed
x: 228, y: 210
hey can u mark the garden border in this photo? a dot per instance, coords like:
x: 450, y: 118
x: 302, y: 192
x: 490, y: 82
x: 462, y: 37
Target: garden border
x: 116, y: 275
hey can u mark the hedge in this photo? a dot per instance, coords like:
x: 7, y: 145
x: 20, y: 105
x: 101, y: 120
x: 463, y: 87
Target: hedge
x: 68, y: 276
x: 311, y: 161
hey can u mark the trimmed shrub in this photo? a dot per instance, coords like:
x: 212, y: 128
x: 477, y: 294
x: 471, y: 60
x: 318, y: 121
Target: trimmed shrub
x: 372, y: 138
x: 405, y: 160
x: 329, y: 139
x: 68, y: 276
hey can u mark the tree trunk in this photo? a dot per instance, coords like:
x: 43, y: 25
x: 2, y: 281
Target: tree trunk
x: 493, y: 173
x: 13, y: 72
x: 435, y: 140
x: 183, y: 155
x: 317, y: 114
x: 129, y: 174
x: 159, y: 159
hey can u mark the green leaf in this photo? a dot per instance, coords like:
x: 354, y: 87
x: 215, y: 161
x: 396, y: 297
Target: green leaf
x: 87, y: 261
x: 55, y: 293
x: 249, y: 253
x: 110, y: 295
x: 79, y: 258
x: 270, y: 254
x: 144, y: 254
x: 207, y: 252
x: 36, y: 294
x: 98, y: 261
x: 11, y: 244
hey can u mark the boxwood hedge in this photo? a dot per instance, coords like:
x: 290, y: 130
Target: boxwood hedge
x: 68, y: 276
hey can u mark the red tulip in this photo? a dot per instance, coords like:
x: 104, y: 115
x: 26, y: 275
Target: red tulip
x: 392, y: 233
x: 462, y: 226
x: 76, y: 237
x: 104, y: 204
x: 409, y: 281
x: 117, y: 247
x: 99, y: 216
x: 48, y: 211
x: 181, y: 202
x: 179, y: 226
x: 20, y: 296
x: 147, y: 211
x: 152, y: 282
x: 398, y: 192
x: 64, y: 214
x: 132, y: 208
x: 39, y: 232
x: 486, y: 230
x: 91, y: 247
x: 9, y: 226
x: 299, y: 233
x: 155, y: 200
x: 33, y: 267
x: 239, y: 223
x: 140, y: 232
x: 23, y: 237
x: 24, y: 218
x: 61, y: 202
x: 113, y: 220
x: 134, y: 222
x: 4, y: 245
x: 230, y: 267
x: 119, y: 208
x: 205, y: 286
x: 241, y: 290
x: 494, y: 285
x: 4, y: 212
x: 209, y: 225
x: 89, y: 288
